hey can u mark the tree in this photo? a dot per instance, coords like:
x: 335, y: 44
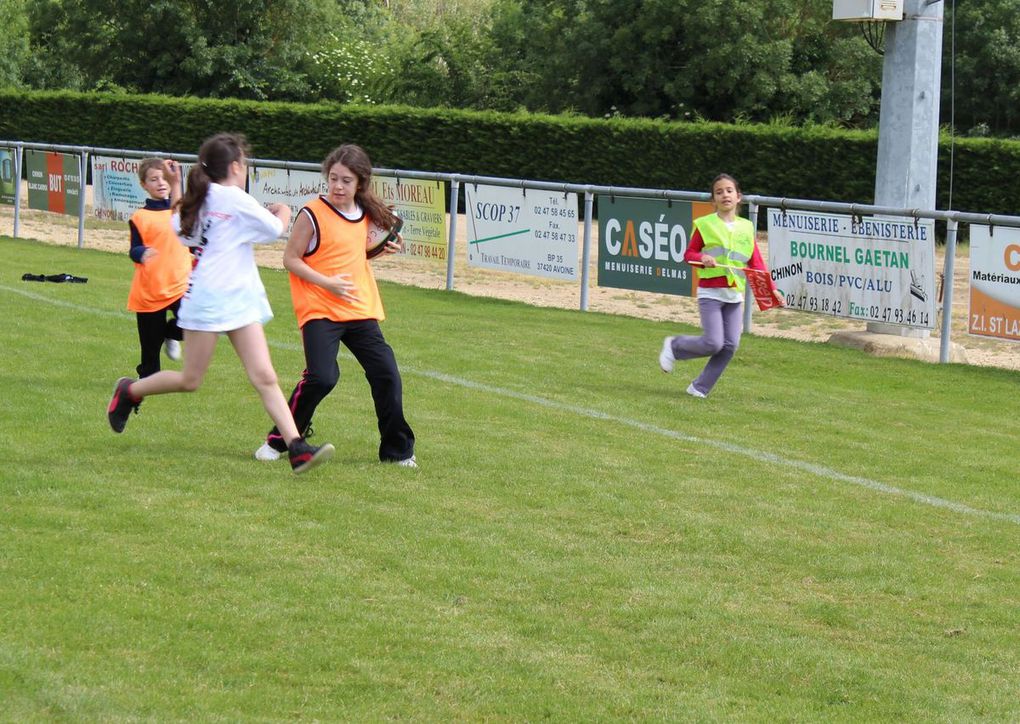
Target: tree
x: 756, y: 60
x: 449, y: 58
x: 987, y: 67
x: 244, y: 49
x: 14, y: 24
x: 681, y: 58
x: 356, y: 58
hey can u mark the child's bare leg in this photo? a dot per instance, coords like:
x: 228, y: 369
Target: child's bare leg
x: 198, y: 353
x: 250, y: 344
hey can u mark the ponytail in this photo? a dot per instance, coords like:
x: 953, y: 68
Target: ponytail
x: 214, y: 159
x: 191, y: 203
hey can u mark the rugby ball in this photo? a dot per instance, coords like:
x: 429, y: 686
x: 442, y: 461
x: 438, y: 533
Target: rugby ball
x: 378, y: 237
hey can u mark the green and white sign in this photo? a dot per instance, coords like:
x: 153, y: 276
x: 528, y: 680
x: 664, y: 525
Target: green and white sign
x: 529, y: 232
x: 54, y: 182
x: 871, y: 268
x: 642, y: 244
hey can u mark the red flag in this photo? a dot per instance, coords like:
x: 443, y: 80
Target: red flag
x: 760, y: 282
x: 763, y: 288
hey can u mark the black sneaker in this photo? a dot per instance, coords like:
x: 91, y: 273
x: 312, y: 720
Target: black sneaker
x: 304, y: 457
x: 121, y: 404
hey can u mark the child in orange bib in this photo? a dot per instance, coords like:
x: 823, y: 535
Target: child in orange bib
x: 336, y: 301
x: 162, y: 265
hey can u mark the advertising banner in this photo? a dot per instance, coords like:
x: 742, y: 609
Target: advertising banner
x: 642, y: 244
x: 116, y: 190
x: 528, y: 232
x: 285, y: 186
x: 8, y: 182
x: 422, y: 206
x: 994, y: 283
x: 869, y: 268
x: 54, y: 182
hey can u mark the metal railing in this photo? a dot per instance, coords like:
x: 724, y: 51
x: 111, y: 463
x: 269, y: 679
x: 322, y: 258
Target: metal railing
x: 755, y: 202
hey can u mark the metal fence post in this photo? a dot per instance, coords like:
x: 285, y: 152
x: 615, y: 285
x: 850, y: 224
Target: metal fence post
x: 451, y: 242
x: 752, y: 215
x: 947, y: 290
x: 586, y: 249
x: 18, y: 158
x: 82, y: 155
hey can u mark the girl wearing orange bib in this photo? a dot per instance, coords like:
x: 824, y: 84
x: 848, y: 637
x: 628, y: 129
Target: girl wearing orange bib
x: 336, y: 300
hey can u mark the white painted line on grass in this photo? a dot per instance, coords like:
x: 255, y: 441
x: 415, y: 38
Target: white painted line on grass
x: 760, y: 456
x: 94, y: 311
x: 757, y: 455
x: 66, y: 305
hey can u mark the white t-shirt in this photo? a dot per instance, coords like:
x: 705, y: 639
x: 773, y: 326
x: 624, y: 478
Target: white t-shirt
x: 225, y: 292
x: 729, y: 295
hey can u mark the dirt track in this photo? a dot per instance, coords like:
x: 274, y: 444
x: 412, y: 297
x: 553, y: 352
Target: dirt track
x: 58, y: 229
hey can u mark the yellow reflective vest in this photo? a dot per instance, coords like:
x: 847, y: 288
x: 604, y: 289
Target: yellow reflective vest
x: 728, y: 246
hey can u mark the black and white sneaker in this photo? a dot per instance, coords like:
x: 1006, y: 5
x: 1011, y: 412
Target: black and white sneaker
x: 411, y: 462
x: 666, y: 358
x: 172, y: 348
x: 274, y: 447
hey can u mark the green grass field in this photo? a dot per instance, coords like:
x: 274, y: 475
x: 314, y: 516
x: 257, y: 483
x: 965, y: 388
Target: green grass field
x: 829, y: 536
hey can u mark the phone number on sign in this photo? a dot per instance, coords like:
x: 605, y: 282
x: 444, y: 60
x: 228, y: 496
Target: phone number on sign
x: 543, y: 235
x: 872, y: 312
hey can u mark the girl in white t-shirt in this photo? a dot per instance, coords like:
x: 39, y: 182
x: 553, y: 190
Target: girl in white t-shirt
x: 225, y: 294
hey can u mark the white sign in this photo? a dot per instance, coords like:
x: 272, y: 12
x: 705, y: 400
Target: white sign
x: 525, y: 231
x: 117, y: 192
x: 421, y: 206
x: 870, y: 268
x: 184, y: 169
x: 994, y: 282
x: 285, y: 186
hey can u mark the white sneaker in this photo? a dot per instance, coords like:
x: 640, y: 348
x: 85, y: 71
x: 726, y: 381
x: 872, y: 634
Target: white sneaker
x: 173, y: 349
x: 411, y: 462
x: 267, y: 454
x: 694, y: 391
x: 666, y: 358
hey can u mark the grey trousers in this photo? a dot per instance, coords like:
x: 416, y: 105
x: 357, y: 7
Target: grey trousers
x: 721, y: 326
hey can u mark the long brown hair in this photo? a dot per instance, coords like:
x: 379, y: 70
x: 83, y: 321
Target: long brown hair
x: 356, y: 159
x: 214, y: 159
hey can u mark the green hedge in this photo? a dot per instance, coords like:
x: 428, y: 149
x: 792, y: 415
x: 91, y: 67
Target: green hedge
x: 813, y: 163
